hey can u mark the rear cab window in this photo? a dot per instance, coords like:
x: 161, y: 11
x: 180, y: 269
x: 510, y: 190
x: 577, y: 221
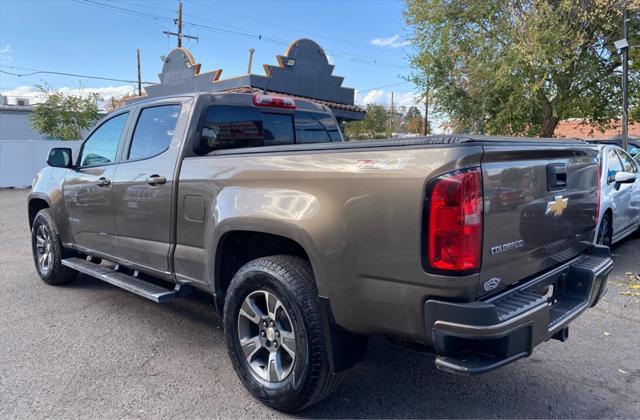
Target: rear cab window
x: 232, y: 126
x: 315, y: 127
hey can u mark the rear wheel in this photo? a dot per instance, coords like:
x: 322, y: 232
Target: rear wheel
x: 274, y: 334
x: 605, y: 233
x: 48, y: 251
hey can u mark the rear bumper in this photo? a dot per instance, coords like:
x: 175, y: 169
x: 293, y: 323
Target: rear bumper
x: 477, y: 337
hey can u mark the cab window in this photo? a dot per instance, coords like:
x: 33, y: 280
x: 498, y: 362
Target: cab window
x: 313, y: 127
x: 329, y: 123
x: 614, y: 166
x: 102, y: 145
x: 154, y: 130
x: 228, y: 127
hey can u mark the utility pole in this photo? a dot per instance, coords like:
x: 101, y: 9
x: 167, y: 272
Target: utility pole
x: 391, y: 121
x: 179, y: 34
x: 251, y: 51
x: 180, y: 24
x: 625, y: 81
x: 426, y: 112
x: 139, y: 77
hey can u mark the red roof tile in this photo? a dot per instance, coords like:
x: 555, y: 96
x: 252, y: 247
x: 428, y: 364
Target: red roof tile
x: 579, y: 128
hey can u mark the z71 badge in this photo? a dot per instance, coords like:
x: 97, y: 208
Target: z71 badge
x: 507, y: 247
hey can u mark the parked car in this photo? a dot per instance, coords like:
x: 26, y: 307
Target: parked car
x: 633, y: 146
x: 619, y: 195
x: 308, y: 249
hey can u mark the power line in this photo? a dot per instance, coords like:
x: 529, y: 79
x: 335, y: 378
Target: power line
x: 242, y: 33
x: 60, y: 73
x: 382, y: 87
x: 271, y: 38
x: 244, y: 16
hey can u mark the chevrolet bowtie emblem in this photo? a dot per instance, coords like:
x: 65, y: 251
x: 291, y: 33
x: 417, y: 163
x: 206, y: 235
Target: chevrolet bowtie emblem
x: 557, y: 206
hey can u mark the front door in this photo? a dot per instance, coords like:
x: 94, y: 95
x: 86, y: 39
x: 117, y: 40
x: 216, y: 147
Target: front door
x: 143, y: 186
x: 88, y: 189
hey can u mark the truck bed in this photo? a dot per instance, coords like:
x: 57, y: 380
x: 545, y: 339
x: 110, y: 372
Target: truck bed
x: 436, y: 140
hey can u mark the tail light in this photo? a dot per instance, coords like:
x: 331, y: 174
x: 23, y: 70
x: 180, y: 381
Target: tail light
x: 454, y: 222
x: 274, y: 101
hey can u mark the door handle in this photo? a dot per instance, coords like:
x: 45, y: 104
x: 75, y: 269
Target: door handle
x: 103, y: 182
x: 156, y: 180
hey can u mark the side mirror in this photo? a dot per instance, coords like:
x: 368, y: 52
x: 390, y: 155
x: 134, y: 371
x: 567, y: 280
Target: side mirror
x: 60, y: 157
x: 624, y: 178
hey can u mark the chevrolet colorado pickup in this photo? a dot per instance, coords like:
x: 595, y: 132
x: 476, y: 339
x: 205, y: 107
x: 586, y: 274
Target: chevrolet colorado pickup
x: 478, y: 248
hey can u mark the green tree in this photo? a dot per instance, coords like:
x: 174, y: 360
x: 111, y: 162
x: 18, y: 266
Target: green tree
x: 64, y: 116
x: 413, y: 122
x: 374, y: 126
x: 520, y: 66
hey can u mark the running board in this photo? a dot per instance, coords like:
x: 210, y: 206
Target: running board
x: 133, y: 284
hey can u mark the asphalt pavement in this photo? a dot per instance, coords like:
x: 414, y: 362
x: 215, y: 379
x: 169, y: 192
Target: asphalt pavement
x: 92, y: 350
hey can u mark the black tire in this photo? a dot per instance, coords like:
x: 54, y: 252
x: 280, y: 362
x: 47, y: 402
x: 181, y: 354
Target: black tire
x: 605, y: 232
x: 53, y: 272
x: 291, y: 281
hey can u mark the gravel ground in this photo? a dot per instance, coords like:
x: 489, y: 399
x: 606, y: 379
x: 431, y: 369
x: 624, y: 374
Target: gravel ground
x: 92, y: 350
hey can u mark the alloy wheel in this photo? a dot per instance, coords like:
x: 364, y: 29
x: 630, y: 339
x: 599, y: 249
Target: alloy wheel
x: 44, y: 249
x: 267, y: 337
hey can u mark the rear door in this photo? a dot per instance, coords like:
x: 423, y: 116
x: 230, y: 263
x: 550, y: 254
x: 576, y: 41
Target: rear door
x: 143, y: 185
x: 615, y: 195
x: 88, y: 189
x: 539, y: 209
x: 630, y: 192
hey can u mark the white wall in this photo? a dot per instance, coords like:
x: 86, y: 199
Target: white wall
x: 20, y: 160
x: 15, y: 125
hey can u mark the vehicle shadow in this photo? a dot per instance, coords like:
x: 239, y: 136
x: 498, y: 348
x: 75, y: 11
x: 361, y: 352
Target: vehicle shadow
x: 393, y: 382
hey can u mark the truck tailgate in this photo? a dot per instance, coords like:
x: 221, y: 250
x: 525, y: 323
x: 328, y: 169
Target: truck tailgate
x: 539, y: 209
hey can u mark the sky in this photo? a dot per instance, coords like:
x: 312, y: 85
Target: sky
x: 366, y: 40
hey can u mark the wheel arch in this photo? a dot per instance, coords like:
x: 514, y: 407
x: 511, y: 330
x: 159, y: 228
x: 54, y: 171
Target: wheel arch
x: 36, y: 204
x: 608, y: 211
x: 237, y: 247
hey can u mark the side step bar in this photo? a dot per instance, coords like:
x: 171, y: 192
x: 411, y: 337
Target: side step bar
x: 133, y: 284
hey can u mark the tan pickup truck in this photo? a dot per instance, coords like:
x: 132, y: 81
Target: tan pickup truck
x: 477, y: 248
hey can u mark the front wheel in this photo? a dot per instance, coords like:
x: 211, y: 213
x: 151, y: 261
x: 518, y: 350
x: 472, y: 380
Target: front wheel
x: 274, y: 334
x: 47, y: 251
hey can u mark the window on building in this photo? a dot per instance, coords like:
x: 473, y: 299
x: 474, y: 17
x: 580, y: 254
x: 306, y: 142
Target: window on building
x: 101, y: 147
x: 154, y: 131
